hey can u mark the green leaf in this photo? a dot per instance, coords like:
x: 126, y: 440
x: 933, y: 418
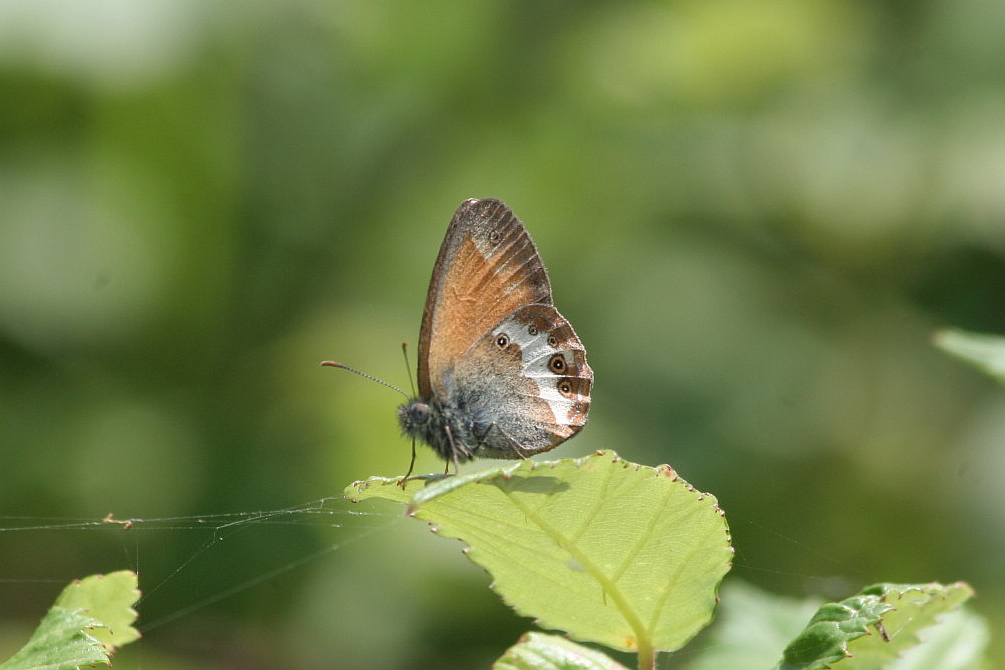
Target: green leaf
x: 609, y: 551
x: 109, y: 599
x: 63, y: 641
x: 986, y: 352
x: 537, y: 651
x: 873, y: 628
x: 89, y: 619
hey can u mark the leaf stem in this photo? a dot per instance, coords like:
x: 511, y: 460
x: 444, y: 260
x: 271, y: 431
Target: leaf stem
x: 647, y: 658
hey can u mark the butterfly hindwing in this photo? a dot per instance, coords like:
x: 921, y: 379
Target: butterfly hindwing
x: 525, y: 384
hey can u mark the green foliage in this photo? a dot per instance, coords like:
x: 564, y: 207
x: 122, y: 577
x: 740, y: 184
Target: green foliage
x: 631, y: 557
x: 89, y: 619
x: 985, y: 352
x: 624, y: 555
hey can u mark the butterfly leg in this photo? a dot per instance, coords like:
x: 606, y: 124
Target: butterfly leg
x: 456, y: 452
x: 411, y: 466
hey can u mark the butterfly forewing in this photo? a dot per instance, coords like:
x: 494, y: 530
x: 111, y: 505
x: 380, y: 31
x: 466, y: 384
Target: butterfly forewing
x: 487, y: 268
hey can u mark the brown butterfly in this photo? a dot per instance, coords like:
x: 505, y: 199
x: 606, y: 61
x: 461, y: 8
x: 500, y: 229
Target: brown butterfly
x: 501, y: 373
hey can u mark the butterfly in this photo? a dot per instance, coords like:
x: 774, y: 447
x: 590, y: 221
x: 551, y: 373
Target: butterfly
x: 501, y: 373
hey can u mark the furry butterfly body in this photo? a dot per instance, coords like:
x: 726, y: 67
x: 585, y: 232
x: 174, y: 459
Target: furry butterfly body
x: 501, y: 373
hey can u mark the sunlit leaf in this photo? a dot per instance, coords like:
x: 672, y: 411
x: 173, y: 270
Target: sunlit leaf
x: 538, y: 651
x: 625, y: 555
x: 109, y: 599
x: 871, y: 629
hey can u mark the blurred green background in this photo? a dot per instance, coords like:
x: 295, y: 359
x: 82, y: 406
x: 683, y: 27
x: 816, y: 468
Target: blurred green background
x: 754, y: 212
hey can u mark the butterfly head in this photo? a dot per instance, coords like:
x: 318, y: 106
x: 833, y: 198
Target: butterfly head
x: 414, y: 417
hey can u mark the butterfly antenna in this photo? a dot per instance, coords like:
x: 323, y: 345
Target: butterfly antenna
x: 408, y: 366
x: 333, y: 364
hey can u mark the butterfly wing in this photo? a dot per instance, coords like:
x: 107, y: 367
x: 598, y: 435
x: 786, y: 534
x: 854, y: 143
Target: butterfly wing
x: 487, y: 268
x: 525, y: 384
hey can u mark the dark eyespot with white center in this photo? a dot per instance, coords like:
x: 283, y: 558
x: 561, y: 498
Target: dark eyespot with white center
x: 557, y: 364
x: 552, y: 341
x: 502, y: 340
x: 565, y: 388
x: 494, y: 236
x: 532, y: 330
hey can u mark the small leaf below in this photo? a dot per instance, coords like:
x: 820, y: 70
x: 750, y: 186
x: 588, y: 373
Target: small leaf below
x: 538, y: 651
